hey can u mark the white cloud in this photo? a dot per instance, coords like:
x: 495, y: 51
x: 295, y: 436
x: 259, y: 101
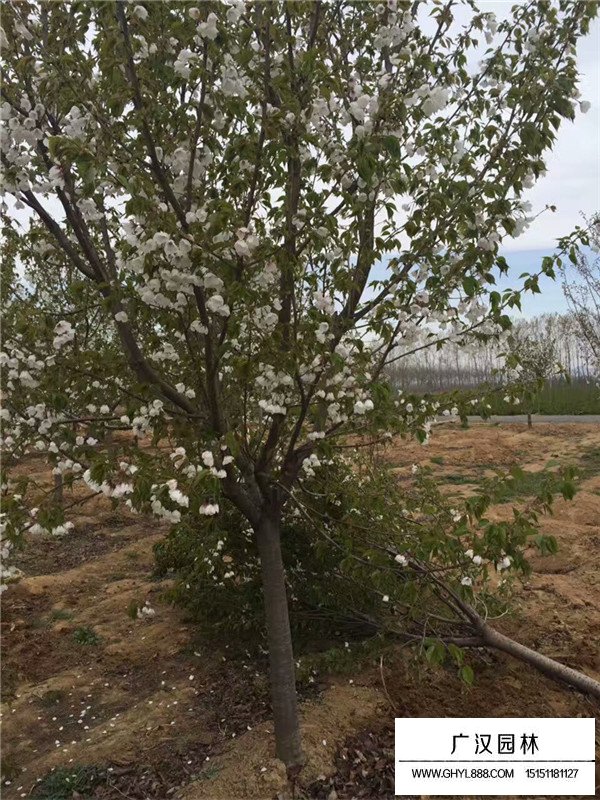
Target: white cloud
x: 572, y: 182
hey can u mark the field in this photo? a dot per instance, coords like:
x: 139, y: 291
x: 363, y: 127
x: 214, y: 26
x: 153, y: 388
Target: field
x: 98, y: 703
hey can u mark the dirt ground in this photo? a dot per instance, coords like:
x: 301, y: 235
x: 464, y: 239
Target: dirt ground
x: 156, y: 713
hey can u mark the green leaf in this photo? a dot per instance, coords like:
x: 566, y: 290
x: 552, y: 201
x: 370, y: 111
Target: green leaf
x: 469, y: 285
x: 495, y: 300
x: 365, y: 168
x: 392, y: 145
x: 435, y: 653
x: 530, y: 136
x: 457, y: 654
x: 467, y: 675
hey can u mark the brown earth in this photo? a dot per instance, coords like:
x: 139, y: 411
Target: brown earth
x: 167, y: 716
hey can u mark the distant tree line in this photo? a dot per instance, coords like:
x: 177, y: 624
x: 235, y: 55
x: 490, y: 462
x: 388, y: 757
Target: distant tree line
x: 459, y: 366
x: 581, y: 285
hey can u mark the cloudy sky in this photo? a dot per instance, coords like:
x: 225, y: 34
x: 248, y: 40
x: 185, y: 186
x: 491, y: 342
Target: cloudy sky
x: 572, y: 182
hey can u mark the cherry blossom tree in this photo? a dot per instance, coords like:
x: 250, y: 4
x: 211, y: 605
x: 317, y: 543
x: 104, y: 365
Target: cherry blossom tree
x: 530, y: 361
x: 223, y: 219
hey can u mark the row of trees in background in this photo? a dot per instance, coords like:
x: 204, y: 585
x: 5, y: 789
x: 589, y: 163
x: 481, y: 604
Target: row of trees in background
x: 459, y: 366
x: 581, y: 286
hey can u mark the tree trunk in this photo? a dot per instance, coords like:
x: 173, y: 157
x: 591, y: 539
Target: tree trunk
x: 548, y: 666
x: 58, y: 489
x: 529, y: 420
x: 485, y: 636
x: 281, y: 656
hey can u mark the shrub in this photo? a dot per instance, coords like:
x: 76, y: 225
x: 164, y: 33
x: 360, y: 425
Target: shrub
x: 86, y: 636
x: 340, y: 539
x: 218, y: 571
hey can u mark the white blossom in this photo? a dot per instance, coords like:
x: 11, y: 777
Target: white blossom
x: 209, y: 509
x: 140, y: 12
x: 63, y: 333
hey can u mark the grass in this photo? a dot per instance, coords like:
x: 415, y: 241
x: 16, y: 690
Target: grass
x: 554, y: 462
x: 86, y: 636
x: 65, y: 783
x: 590, y: 462
x: 458, y: 479
x: 209, y: 773
x: 54, y: 616
x: 61, y: 614
x: 528, y: 484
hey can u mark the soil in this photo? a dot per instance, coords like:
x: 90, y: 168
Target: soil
x: 161, y: 714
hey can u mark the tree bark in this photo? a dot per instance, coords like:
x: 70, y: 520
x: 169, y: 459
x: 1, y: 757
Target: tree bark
x: 548, y: 666
x: 281, y: 656
x: 58, y: 489
x: 482, y: 635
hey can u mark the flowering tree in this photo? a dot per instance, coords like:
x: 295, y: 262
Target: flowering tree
x: 211, y: 193
x: 530, y: 361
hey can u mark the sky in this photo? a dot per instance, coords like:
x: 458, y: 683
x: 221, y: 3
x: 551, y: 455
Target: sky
x: 572, y: 182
